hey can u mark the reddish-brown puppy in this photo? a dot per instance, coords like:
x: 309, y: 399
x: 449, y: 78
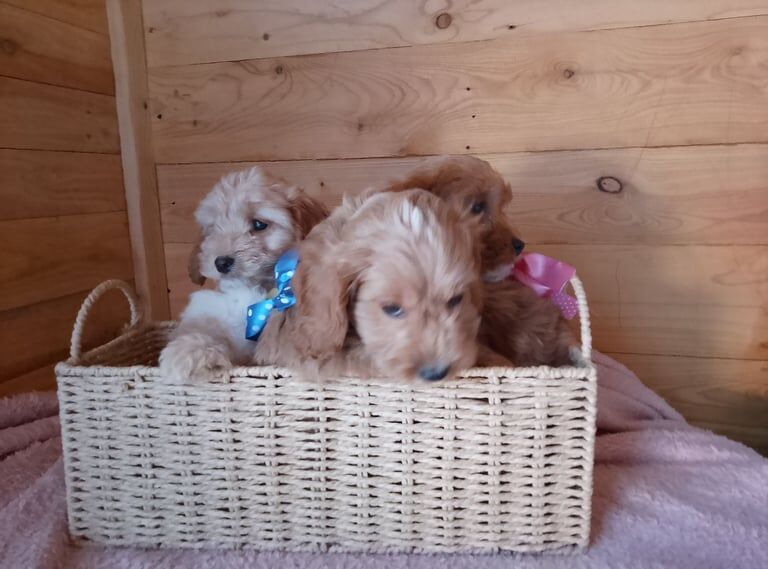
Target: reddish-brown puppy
x: 471, y: 185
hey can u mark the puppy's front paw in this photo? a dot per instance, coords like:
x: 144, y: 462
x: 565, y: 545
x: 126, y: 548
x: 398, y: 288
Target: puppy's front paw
x: 193, y: 358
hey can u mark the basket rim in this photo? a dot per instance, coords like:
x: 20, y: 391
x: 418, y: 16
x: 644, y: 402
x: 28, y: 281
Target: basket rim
x: 71, y: 368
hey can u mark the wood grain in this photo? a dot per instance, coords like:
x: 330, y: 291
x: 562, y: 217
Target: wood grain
x: 37, y: 335
x: 708, y: 301
x: 676, y: 300
x: 697, y: 83
x: 38, y: 48
x: 127, y: 39
x: 50, y: 257
x: 46, y: 117
x: 671, y: 195
x: 37, y: 183
x: 41, y: 379
x: 88, y: 14
x: 729, y: 397
x: 202, y: 31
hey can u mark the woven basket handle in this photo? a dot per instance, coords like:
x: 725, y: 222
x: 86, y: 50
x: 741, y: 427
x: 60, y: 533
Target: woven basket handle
x: 75, y: 347
x: 586, y: 330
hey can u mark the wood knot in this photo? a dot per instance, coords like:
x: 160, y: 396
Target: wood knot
x: 151, y: 30
x: 265, y: 37
x: 279, y: 70
x: 221, y: 13
x: 159, y: 116
x: 145, y: 105
x: 609, y: 184
x: 8, y: 47
x: 443, y: 20
x: 568, y: 73
x: 511, y: 27
x: 360, y: 127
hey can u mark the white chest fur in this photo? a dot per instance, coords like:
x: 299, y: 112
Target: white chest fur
x: 228, y: 305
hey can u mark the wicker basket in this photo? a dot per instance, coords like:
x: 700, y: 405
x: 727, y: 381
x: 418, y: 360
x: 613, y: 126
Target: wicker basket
x: 500, y: 460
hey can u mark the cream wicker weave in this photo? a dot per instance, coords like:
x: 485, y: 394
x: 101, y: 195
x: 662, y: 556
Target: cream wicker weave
x: 500, y: 460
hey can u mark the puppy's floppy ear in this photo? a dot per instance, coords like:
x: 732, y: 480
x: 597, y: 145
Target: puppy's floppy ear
x: 305, y: 211
x: 193, y: 265
x: 324, y: 284
x: 507, y: 192
x: 434, y: 174
x: 423, y: 177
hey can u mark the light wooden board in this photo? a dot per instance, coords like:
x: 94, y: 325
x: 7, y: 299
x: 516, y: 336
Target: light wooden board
x: 203, y: 31
x: 682, y: 84
x: 46, y: 117
x: 705, y: 301
x: 88, y: 14
x: 38, y: 48
x: 690, y: 300
x: 37, y: 183
x: 726, y: 396
x: 127, y: 39
x: 671, y: 195
x: 49, y: 257
x: 41, y: 379
x: 36, y: 335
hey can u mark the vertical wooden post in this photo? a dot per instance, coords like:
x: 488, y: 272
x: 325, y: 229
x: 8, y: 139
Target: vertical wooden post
x: 126, y: 31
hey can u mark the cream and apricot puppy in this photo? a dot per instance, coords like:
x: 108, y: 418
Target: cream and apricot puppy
x: 246, y: 222
x: 517, y: 325
x: 389, y: 285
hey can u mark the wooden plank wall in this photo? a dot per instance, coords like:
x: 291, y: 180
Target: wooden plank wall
x: 671, y: 98
x: 63, y: 226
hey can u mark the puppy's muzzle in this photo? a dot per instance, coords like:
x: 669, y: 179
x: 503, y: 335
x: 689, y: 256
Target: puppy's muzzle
x: 433, y: 372
x: 224, y: 264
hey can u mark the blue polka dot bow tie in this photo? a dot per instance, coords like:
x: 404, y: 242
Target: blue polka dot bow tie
x: 258, y: 313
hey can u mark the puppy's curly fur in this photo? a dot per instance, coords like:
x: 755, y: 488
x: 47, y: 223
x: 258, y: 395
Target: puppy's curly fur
x: 522, y: 327
x: 388, y: 285
x: 472, y: 185
x: 247, y: 221
x: 517, y: 325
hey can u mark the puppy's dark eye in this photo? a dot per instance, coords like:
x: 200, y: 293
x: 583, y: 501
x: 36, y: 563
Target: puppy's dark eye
x: 455, y: 301
x: 478, y: 207
x: 258, y: 225
x: 393, y: 310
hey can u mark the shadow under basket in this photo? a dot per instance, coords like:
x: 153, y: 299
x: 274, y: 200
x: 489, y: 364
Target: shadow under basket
x: 497, y: 460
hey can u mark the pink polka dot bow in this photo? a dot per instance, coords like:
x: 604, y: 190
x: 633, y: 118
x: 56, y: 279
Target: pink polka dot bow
x: 547, y: 277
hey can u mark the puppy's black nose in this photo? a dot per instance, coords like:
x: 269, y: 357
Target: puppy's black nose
x: 518, y: 245
x: 224, y: 263
x: 433, y: 372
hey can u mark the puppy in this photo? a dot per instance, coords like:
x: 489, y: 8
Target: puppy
x: 517, y: 325
x: 389, y: 285
x: 247, y: 221
x: 522, y: 327
x: 472, y: 185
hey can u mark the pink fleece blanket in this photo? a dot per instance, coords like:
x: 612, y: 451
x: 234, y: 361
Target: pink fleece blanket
x: 666, y: 495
